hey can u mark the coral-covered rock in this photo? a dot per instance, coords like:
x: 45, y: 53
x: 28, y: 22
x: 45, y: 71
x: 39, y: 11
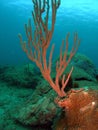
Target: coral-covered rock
x: 81, y: 111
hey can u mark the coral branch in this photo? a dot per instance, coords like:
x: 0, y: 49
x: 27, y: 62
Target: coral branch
x: 37, y: 45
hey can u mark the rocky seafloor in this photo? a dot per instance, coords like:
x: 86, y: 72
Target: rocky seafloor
x: 27, y: 100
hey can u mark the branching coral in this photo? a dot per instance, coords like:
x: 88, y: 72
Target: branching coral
x: 37, y: 45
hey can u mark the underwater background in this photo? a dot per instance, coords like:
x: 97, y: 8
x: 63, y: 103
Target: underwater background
x: 73, y: 16
x: 27, y: 100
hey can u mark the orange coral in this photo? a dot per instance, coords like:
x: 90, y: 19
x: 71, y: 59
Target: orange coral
x: 37, y: 45
x: 81, y: 111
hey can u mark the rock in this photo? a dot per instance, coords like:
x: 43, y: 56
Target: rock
x: 83, y: 62
x: 21, y: 76
x: 40, y: 112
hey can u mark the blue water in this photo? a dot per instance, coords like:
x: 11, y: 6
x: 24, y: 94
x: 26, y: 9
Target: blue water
x: 73, y: 16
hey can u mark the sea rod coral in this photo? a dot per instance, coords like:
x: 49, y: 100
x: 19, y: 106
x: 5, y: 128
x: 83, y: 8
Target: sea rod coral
x: 39, y: 41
